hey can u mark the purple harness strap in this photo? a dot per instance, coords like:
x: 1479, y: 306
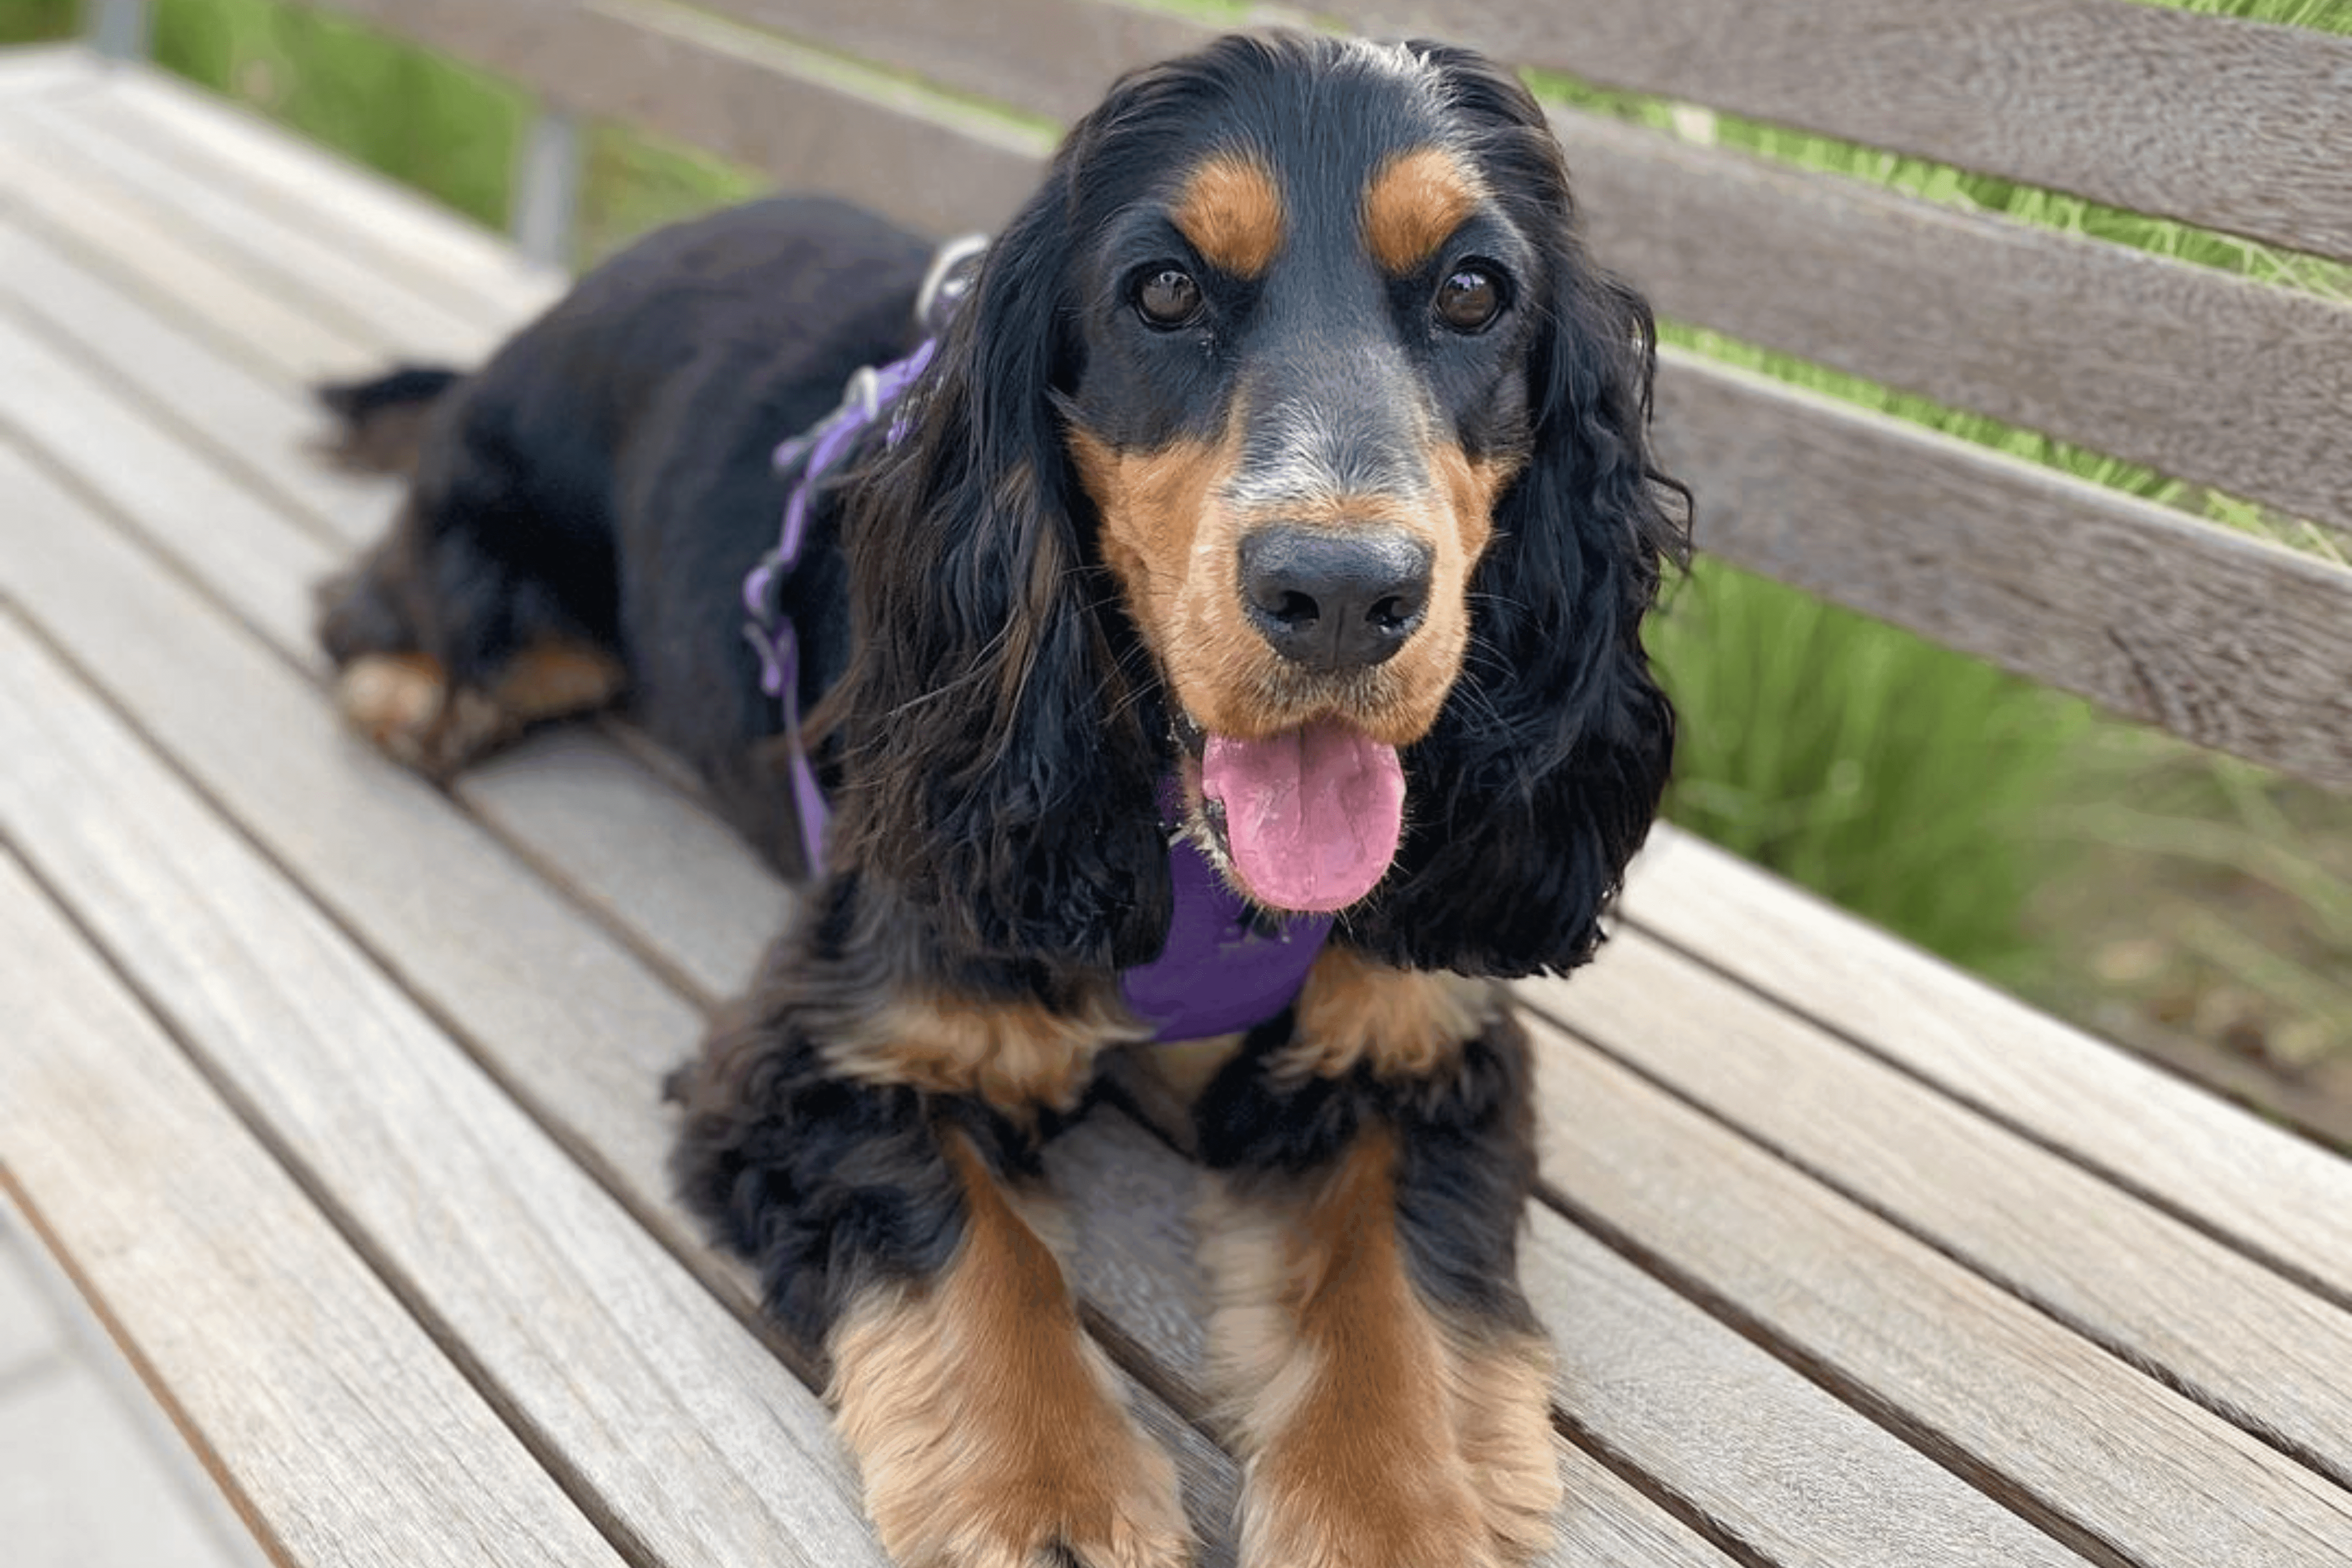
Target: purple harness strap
x: 765, y: 626
x: 1220, y: 971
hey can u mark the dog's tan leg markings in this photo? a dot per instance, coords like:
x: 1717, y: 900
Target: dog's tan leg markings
x: 405, y: 703
x: 987, y: 1426
x: 1375, y: 1433
x: 1405, y: 1023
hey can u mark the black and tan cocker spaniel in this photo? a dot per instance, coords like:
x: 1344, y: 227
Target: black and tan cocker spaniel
x: 1233, y: 630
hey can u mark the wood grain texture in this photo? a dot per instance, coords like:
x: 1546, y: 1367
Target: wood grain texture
x: 623, y: 842
x: 2180, y: 368
x: 2220, y: 638
x: 243, y: 419
x: 2103, y: 1457
x: 440, y: 898
x: 2228, y: 124
x: 244, y: 1310
x: 1051, y: 57
x: 79, y: 423
x: 614, y: 1360
x: 2268, y: 1192
x: 909, y: 155
x: 2253, y: 1348
x: 283, y: 258
x: 471, y: 269
x: 1766, y: 1458
x: 140, y: 247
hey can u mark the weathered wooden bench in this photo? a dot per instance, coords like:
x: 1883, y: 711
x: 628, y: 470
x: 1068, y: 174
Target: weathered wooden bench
x: 336, y: 1094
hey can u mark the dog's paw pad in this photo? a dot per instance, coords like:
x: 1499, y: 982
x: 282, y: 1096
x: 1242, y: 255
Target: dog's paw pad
x: 392, y: 698
x: 404, y: 703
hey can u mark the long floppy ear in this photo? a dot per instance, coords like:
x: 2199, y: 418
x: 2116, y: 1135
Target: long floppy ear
x: 997, y: 771
x: 1543, y: 771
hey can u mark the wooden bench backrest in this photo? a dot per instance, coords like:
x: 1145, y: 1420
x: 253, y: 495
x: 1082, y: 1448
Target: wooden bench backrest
x: 2190, y: 372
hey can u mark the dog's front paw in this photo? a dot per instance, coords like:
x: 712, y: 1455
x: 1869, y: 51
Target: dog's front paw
x: 1364, y: 1499
x: 404, y: 703
x: 1047, y: 1474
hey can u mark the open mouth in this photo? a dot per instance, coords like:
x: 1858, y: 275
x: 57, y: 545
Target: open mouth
x: 1307, y: 818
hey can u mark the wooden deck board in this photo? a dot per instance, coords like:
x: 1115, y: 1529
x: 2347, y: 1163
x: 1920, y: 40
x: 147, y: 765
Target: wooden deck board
x: 1756, y: 1368
x: 327, y: 1413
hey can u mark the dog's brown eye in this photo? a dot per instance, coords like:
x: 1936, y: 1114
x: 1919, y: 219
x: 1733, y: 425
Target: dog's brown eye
x: 1167, y: 298
x: 1469, y: 298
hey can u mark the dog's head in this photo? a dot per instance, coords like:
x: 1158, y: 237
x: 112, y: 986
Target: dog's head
x: 1291, y: 449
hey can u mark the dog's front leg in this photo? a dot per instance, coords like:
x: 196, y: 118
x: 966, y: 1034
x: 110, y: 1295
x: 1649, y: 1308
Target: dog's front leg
x: 1384, y: 1379
x: 862, y: 1133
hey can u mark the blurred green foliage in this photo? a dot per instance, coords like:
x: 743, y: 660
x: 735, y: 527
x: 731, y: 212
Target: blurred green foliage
x: 37, y: 21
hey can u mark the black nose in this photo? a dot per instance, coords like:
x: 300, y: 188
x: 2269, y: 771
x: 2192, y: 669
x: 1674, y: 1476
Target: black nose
x: 1334, y: 601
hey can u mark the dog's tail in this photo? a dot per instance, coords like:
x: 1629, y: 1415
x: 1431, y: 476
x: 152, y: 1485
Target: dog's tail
x: 380, y: 422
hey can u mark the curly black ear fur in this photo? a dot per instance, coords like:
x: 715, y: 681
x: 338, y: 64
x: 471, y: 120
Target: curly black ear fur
x: 1543, y: 771
x: 998, y: 768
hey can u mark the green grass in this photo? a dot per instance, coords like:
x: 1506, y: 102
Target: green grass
x: 37, y: 21
x: 1897, y: 779
x: 449, y: 131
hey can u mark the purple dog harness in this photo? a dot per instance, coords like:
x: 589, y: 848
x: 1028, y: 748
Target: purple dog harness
x: 1222, y: 969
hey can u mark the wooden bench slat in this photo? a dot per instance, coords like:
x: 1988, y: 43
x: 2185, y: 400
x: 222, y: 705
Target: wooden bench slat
x: 1051, y: 57
x: 2221, y: 638
x: 57, y: 406
x: 470, y: 268
x: 2183, y: 369
x: 158, y: 1199
x: 38, y: 71
x: 2272, y: 1194
x: 2225, y: 124
x: 1773, y: 1460
x: 2049, y: 1423
x: 615, y: 1360
x: 249, y: 421
x: 623, y: 843
x: 906, y: 153
x: 278, y: 256
x: 2256, y: 1351
x: 143, y: 248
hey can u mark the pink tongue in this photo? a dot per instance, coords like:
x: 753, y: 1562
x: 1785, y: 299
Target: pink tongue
x: 1312, y: 815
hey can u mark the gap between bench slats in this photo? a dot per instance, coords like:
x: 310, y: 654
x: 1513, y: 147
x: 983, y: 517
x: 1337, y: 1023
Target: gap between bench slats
x: 912, y: 156
x: 2272, y: 1195
x: 2049, y: 1423
x: 2222, y: 639
x: 2250, y: 1346
x: 2225, y: 124
x: 152, y: 1193
x: 617, y: 1365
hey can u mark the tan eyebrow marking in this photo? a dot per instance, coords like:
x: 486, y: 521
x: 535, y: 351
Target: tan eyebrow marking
x: 1232, y: 213
x: 1413, y: 205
